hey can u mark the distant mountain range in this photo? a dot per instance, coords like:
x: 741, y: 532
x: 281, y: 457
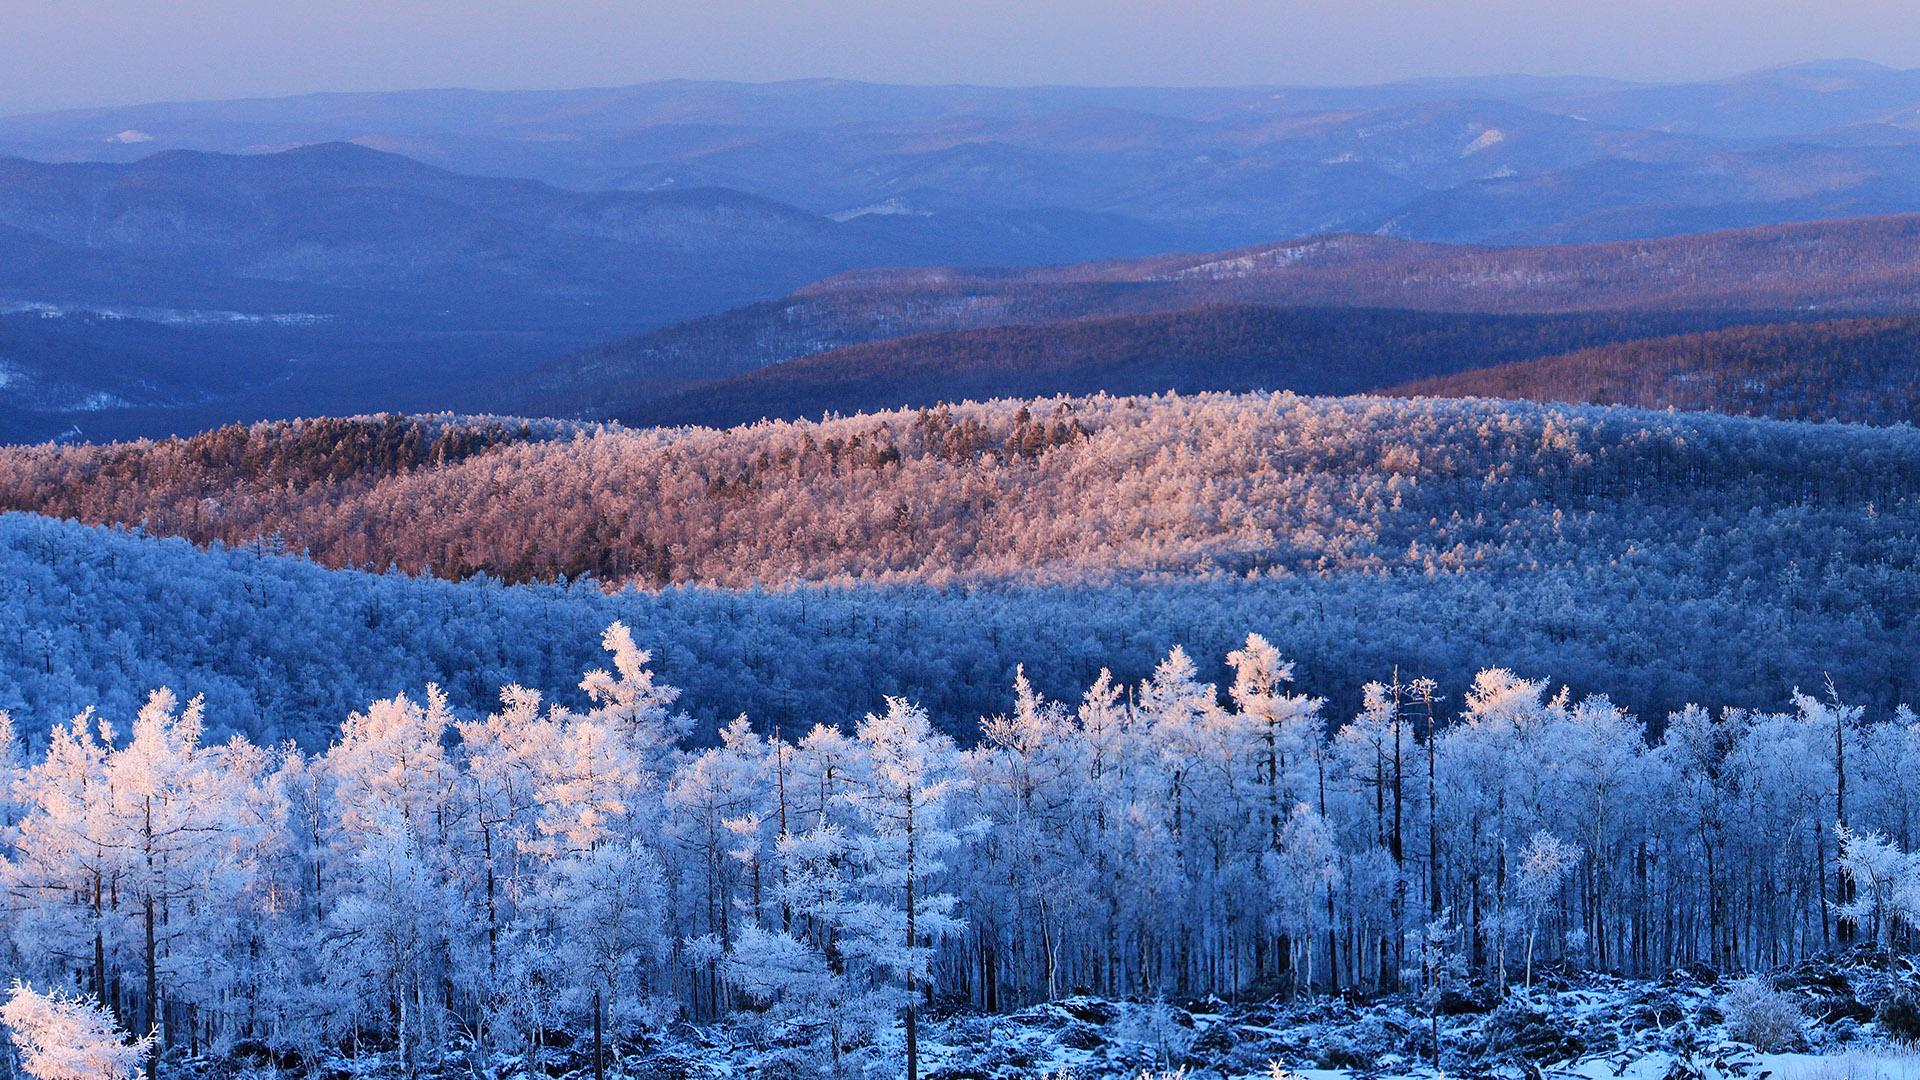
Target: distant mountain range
x: 166, y: 268
x: 335, y: 277
x: 1506, y: 159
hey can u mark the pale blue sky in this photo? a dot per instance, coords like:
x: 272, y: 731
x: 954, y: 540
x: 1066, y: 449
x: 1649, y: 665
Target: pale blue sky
x: 60, y: 53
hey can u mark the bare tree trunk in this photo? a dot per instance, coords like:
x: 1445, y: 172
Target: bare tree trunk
x: 913, y: 977
x: 153, y: 966
x: 1433, y: 814
x: 599, y: 1048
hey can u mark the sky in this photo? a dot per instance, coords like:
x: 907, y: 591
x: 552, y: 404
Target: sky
x: 75, y: 53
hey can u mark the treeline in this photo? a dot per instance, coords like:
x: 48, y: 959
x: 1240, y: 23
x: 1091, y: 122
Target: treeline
x: 440, y: 880
x: 300, y: 454
x: 1061, y: 490
x: 1233, y: 348
x: 1853, y: 370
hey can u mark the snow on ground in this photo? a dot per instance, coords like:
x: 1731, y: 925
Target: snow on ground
x: 1569, y: 1027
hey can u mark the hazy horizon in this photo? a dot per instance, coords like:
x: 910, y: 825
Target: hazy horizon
x: 430, y: 88
x: 119, y: 52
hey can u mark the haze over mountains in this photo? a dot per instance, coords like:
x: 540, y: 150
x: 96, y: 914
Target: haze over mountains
x: 336, y: 277
x: 167, y: 268
x: 1233, y: 165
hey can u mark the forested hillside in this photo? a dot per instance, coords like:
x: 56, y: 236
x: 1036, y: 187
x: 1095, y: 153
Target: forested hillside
x: 1234, y: 348
x: 1856, y: 370
x: 94, y: 617
x: 954, y: 543
x: 1059, y: 490
x: 1853, y: 265
x: 442, y: 885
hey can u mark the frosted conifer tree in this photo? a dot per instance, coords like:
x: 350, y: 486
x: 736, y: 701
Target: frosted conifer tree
x: 639, y: 708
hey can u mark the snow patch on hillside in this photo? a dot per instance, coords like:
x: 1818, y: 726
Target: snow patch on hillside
x: 1489, y: 138
x: 1261, y: 261
x: 887, y: 208
x: 164, y: 316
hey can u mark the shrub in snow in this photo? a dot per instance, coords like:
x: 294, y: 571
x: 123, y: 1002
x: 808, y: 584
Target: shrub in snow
x: 1518, y: 1031
x: 1164, y: 1029
x: 1762, y: 1016
x: 68, y: 1037
x: 1901, y: 1017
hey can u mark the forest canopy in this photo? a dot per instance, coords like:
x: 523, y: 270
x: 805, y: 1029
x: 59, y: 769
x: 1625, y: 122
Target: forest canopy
x: 1068, y: 491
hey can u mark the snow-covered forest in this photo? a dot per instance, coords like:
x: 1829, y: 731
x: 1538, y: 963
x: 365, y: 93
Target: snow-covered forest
x: 925, y: 554
x: 281, y: 649
x: 1066, y: 491
x: 1336, y: 704
x: 438, y: 879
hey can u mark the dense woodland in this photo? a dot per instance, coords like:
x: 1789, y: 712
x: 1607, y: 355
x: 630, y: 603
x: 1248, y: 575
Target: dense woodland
x: 281, y: 648
x: 1855, y: 370
x: 438, y: 877
x: 1065, y: 490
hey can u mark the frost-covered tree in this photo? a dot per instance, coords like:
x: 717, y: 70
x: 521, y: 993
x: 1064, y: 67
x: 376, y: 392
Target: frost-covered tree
x: 718, y: 799
x: 1440, y: 968
x: 601, y: 911
x: 1886, y: 884
x: 63, y: 855
x: 1544, y: 865
x: 441, y: 878
x: 388, y: 934
x: 176, y: 810
x: 69, y: 1037
x: 903, y: 803
x: 639, y: 708
x: 1023, y: 778
x: 1301, y: 870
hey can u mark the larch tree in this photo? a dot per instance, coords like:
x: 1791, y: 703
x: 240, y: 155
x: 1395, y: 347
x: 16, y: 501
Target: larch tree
x: 64, y: 856
x: 605, y: 907
x: 388, y: 932
x: 903, y: 802
x: 178, y: 813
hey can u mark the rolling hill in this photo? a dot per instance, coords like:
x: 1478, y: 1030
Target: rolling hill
x: 1068, y: 489
x: 944, y: 545
x: 1854, y: 370
x: 1851, y: 265
x: 1232, y: 348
